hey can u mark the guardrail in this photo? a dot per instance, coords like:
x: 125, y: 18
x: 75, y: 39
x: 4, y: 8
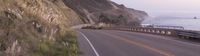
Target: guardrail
x: 167, y: 27
x: 160, y: 31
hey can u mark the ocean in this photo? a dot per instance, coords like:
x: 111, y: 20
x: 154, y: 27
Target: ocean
x: 187, y: 23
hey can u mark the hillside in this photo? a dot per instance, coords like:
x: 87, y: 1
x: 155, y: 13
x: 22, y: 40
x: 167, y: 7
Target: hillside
x: 42, y: 27
x: 37, y: 28
x: 106, y: 11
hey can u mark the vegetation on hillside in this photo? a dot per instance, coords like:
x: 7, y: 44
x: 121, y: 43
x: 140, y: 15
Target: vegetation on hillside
x: 37, y: 28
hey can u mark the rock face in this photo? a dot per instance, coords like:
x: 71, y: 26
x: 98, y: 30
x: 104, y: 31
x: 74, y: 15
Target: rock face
x: 106, y: 11
x: 37, y: 28
x: 41, y: 27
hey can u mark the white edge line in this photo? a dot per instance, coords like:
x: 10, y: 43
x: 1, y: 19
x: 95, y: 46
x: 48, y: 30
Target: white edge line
x: 97, y: 54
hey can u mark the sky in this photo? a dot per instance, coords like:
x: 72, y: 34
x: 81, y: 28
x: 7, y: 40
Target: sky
x: 165, y: 7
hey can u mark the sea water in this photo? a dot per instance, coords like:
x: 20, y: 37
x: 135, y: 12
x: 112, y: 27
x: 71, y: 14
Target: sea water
x: 187, y: 23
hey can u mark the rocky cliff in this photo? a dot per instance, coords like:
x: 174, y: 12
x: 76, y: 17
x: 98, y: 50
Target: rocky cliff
x: 106, y: 11
x: 37, y: 28
x: 41, y: 27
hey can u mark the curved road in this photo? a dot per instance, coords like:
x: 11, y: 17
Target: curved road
x: 124, y: 43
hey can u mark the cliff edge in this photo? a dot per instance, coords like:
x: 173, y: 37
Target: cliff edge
x: 106, y: 11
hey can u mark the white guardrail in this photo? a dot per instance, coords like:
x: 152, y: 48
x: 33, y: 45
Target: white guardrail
x: 160, y: 31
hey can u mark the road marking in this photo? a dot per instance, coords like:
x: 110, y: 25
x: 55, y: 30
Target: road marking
x: 141, y: 45
x: 164, y: 38
x: 168, y: 38
x: 96, y: 53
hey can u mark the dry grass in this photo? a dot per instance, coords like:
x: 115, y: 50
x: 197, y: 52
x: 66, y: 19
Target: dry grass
x: 37, y: 28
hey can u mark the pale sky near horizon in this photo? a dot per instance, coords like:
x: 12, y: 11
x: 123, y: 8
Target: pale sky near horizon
x: 164, y: 7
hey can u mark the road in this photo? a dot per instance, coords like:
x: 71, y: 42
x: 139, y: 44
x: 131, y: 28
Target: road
x: 124, y: 43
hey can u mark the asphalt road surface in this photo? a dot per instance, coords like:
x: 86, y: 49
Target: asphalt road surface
x: 124, y: 43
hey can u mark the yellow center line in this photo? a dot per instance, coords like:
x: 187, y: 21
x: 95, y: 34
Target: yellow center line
x: 141, y: 45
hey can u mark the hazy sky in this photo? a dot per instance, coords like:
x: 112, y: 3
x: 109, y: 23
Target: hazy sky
x: 165, y: 7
